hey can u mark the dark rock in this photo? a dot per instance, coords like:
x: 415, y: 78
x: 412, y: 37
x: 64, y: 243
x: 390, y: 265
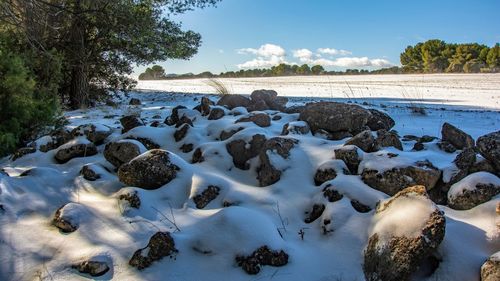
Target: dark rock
x: 324, y: 175
x: 121, y: 152
x: 130, y: 122
x: 149, y: 144
x: 458, y: 138
x: 260, y: 257
x: 380, y: 120
x: 224, y: 135
x: 390, y: 257
x: 316, y: 212
x: 394, y: 180
x: 260, y: 119
x: 92, y: 268
x: 216, y: 114
x: 181, y: 133
x: 489, y: 147
x: 232, y: 101
x: 58, y: 138
x: 150, y: 170
x: 155, y: 124
x: 209, y: 194
x: 67, y: 217
x: 294, y: 109
x: 132, y: 198
x: 157, y: 116
x: 89, y: 174
x: 471, y: 196
x: 490, y: 270
x: 267, y: 174
x: 268, y: 99
x: 364, y: 140
x: 335, y: 117
x: 466, y: 158
x: 300, y: 128
x: 331, y: 194
x: 22, y: 152
x: 426, y: 138
x: 446, y: 146
x: 276, y: 117
x: 418, y: 146
x: 184, y: 120
x: 387, y: 139
x: 205, y: 106
x: 483, y: 165
x: 241, y: 154
x: 174, y: 117
x: 95, y: 134
x: 70, y: 151
x: 160, y: 245
x: 134, y: 101
x: 186, y: 148
x: 197, y: 156
x: 360, y: 207
x: 350, y: 156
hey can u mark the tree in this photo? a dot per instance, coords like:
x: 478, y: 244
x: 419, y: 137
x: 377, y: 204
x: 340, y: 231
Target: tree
x: 154, y: 73
x: 432, y: 56
x: 317, y: 69
x: 100, y: 39
x: 493, y: 57
x: 304, y: 70
x: 411, y: 59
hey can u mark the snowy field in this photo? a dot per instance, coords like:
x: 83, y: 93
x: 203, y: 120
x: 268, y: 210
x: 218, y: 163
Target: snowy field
x: 243, y: 216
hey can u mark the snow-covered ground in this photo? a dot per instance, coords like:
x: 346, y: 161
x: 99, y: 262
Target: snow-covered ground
x: 208, y: 239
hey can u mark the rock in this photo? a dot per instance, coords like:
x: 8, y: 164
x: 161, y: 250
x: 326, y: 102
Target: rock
x: 129, y: 122
x: 241, y: 153
x: 269, y: 99
x: 473, y: 190
x: 150, y: 170
x: 260, y: 119
x: 149, y: 144
x: 398, y: 245
x: 316, y: 212
x: 489, y: 147
x: 446, y: 146
x: 209, y: 194
x: 350, y: 156
x: 92, y: 268
x: 132, y: 198
x: 268, y: 174
x: 184, y: 120
x: 232, y: 101
x: 22, y: 152
x: 224, y: 135
x: 155, y: 124
x: 216, y: 114
x: 89, y: 174
x: 74, y: 149
x: 394, y: 180
x: 197, y: 156
x: 95, y: 134
x: 58, y: 138
x: 134, y: 101
x: 331, y: 194
x: 426, y: 138
x: 364, y: 140
x: 418, y: 146
x: 260, y: 257
x: 67, y: 217
x: 360, y: 207
x: 466, y: 158
x: 122, y: 151
x: 380, y: 120
x: 294, y: 109
x: 335, y: 117
x: 181, y: 133
x: 483, y: 165
x: 160, y: 245
x: 276, y: 117
x: 329, y: 170
x: 456, y: 137
x: 490, y: 270
x: 174, y: 117
x: 186, y: 148
x: 387, y: 139
x: 298, y: 127
x: 205, y: 106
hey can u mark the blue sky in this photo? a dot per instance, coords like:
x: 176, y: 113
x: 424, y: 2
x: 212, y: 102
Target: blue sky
x: 337, y: 34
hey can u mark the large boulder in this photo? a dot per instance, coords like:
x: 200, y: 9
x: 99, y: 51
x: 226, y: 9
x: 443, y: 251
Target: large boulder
x: 267, y: 172
x: 380, y: 120
x: 387, y: 139
x: 489, y: 147
x: 232, y: 101
x: 129, y: 122
x: 267, y: 99
x: 490, y: 270
x: 76, y: 148
x: 398, y: 243
x: 364, y: 140
x: 473, y: 190
x: 160, y: 245
x: 456, y: 137
x: 122, y: 151
x: 396, y: 179
x: 335, y: 117
x: 241, y: 151
x: 149, y: 170
x: 216, y: 114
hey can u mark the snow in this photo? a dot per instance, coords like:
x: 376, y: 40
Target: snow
x: 209, y: 239
x: 469, y: 183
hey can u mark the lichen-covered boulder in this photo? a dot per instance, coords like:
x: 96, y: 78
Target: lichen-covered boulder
x: 489, y: 147
x: 396, y: 179
x: 473, y: 190
x: 129, y: 122
x: 399, y: 243
x: 76, y: 148
x: 490, y: 270
x: 160, y: 245
x: 335, y: 117
x: 458, y: 138
x: 150, y: 170
x: 122, y: 151
x: 274, y: 151
x: 267, y: 99
x: 232, y: 101
x: 364, y: 140
x: 380, y: 120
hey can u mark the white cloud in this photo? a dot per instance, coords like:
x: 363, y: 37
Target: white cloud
x: 353, y: 62
x: 304, y: 55
x: 266, y: 50
x: 221, y: 51
x: 262, y: 62
x: 334, y: 52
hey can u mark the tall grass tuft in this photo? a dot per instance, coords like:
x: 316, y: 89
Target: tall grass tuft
x: 219, y: 87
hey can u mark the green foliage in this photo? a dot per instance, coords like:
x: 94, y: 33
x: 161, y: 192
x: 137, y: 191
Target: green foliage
x: 317, y: 69
x: 28, y: 92
x: 154, y: 73
x: 493, y: 57
x: 435, y: 56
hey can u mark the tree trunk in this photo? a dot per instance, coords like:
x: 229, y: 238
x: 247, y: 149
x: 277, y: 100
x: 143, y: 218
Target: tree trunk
x: 79, y: 88
x: 79, y: 85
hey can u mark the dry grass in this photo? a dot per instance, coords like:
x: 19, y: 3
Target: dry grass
x: 218, y: 86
